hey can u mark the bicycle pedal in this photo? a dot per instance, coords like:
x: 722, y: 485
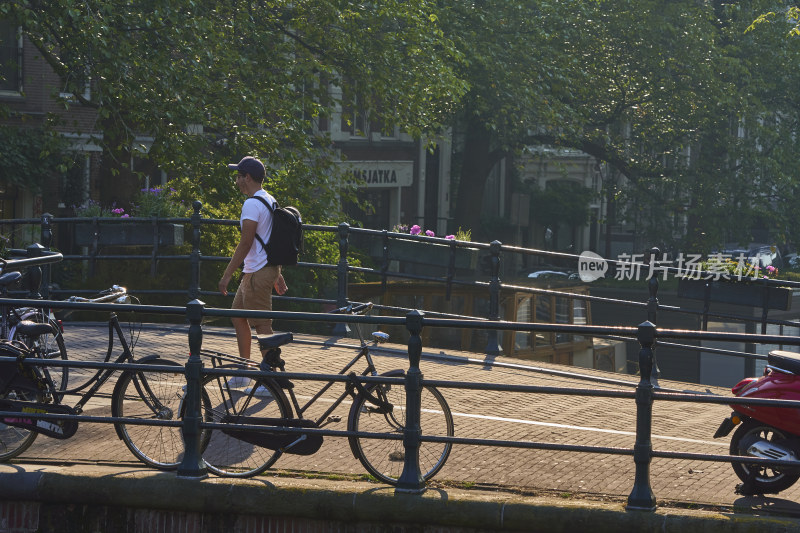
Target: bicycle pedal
x: 334, y: 418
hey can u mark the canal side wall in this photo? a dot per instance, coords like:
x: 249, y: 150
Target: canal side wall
x: 37, y: 498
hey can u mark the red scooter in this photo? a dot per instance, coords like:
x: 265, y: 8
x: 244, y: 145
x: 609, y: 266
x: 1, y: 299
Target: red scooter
x: 767, y: 432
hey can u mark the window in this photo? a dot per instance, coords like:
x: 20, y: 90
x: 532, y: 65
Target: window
x: 77, y: 79
x: 551, y: 309
x: 522, y: 339
x: 562, y: 310
x: 314, y: 96
x: 354, y: 122
x: 764, y: 349
x: 544, y: 305
x: 357, y: 120
x: 8, y: 196
x: 10, y: 59
x: 75, y: 182
x: 151, y: 175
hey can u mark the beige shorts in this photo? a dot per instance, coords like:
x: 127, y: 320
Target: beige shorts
x: 255, y: 293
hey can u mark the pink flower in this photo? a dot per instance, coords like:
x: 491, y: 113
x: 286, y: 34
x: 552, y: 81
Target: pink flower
x: 451, y: 237
x: 118, y: 211
x: 415, y: 230
x: 429, y: 233
x: 126, y: 215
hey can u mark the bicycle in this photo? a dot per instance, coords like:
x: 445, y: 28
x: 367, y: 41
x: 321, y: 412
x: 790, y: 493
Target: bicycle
x: 36, y: 328
x: 143, y: 394
x: 375, y: 408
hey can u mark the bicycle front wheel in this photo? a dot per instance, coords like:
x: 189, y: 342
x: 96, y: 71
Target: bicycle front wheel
x: 384, y: 458
x: 14, y: 440
x: 49, y: 346
x: 151, y: 395
x: 224, y: 453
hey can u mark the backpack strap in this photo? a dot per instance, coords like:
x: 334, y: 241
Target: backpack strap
x: 265, y: 202
x: 271, y: 210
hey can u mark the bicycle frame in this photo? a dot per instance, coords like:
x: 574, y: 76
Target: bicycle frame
x: 370, y: 370
x: 103, y: 375
x: 298, y: 409
x: 323, y: 418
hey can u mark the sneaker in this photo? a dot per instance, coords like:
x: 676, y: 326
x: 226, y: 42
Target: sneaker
x: 261, y: 391
x: 238, y: 381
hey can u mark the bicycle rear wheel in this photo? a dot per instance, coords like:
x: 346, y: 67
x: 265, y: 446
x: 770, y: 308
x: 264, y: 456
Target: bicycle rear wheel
x: 14, y: 440
x: 151, y: 395
x: 384, y: 458
x: 226, y: 455
x: 49, y: 346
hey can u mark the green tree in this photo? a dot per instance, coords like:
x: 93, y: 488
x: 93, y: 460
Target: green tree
x: 255, y: 76
x: 30, y: 155
x: 213, y: 80
x: 574, y: 74
x: 657, y: 90
x: 791, y: 15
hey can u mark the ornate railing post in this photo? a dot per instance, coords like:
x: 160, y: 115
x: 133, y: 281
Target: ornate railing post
x: 95, y: 246
x: 492, y: 347
x: 652, y: 307
x: 411, y: 479
x: 340, y: 328
x: 642, y: 497
x: 154, y: 253
x: 194, y: 260
x: 46, y: 238
x: 46, y: 241
x: 192, y: 465
x: 384, y: 259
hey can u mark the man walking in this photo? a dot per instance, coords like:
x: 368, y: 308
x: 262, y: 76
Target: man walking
x: 258, y: 278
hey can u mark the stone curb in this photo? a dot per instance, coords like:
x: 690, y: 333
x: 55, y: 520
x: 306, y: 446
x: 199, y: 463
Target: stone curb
x: 356, y: 502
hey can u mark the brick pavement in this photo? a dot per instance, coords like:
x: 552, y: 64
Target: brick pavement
x: 479, y: 414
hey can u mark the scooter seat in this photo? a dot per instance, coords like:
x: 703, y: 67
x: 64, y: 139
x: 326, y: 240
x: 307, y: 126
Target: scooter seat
x: 789, y: 361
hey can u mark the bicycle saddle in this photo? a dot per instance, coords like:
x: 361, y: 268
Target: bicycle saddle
x: 8, y: 278
x: 268, y: 342
x: 29, y: 328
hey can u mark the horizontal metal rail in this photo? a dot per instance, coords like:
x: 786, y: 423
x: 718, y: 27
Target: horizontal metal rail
x: 647, y: 334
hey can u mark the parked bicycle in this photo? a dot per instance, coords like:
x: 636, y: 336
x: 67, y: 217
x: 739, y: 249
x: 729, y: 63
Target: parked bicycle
x: 375, y: 408
x: 143, y: 394
x: 36, y: 328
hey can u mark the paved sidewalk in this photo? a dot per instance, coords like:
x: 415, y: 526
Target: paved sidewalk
x: 478, y: 414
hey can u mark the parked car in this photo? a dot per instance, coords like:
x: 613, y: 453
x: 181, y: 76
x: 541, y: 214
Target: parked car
x: 765, y: 254
x: 552, y: 274
x: 791, y: 261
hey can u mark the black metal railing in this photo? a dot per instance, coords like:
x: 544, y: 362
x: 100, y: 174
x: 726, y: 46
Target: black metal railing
x: 492, y: 258
x: 646, y: 333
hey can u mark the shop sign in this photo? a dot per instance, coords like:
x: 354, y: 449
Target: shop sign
x: 381, y: 173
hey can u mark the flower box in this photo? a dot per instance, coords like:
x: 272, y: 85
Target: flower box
x: 128, y: 234
x: 750, y: 293
x: 426, y: 253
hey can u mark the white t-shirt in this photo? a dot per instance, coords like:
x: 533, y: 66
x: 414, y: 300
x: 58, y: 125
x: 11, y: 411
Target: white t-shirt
x: 252, y: 209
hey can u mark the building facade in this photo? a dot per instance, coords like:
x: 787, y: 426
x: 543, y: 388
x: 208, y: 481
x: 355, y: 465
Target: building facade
x: 405, y: 180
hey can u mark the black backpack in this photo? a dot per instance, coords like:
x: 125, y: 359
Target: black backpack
x: 286, y: 240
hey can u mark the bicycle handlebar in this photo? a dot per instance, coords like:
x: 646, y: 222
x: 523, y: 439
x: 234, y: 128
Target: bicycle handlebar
x: 116, y: 294
x: 354, y: 309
